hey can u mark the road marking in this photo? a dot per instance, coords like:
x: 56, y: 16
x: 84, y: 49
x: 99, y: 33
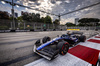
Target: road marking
x: 97, y: 36
x: 66, y: 60
x: 91, y: 45
x: 94, y: 40
x: 88, y: 54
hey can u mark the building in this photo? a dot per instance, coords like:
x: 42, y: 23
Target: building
x: 10, y: 15
x: 22, y: 12
x: 76, y: 21
x: 15, y: 15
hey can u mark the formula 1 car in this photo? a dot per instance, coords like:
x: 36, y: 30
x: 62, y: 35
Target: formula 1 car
x: 50, y: 49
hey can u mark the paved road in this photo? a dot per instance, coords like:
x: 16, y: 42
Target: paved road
x: 16, y: 48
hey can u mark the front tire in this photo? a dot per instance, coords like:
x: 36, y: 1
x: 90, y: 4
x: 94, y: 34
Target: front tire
x: 45, y: 39
x: 63, y: 47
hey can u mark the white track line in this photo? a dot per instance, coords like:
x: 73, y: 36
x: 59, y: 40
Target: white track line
x: 91, y: 45
x: 66, y: 60
x: 95, y: 38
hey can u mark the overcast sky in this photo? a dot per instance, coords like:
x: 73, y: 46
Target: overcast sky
x: 58, y: 7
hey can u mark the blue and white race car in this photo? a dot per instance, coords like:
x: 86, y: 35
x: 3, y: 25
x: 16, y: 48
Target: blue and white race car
x: 50, y: 49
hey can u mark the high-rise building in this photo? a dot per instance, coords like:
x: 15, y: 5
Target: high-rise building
x: 10, y: 15
x: 22, y: 12
x: 15, y: 15
x: 76, y: 21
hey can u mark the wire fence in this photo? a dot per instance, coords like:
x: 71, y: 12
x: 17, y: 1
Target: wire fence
x: 35, y: 26
x: 8, y: 25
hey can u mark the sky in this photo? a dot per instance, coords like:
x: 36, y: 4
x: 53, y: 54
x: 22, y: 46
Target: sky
x: 57, y: 7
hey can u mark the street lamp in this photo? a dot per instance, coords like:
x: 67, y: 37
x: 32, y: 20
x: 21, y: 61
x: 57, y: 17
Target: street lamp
x: 17, y: 6
x: 2, y: 2
x: 59, y: 17
x: 13, y: 15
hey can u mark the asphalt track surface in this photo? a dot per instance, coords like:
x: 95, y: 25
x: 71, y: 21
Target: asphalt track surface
x: 16, y: 48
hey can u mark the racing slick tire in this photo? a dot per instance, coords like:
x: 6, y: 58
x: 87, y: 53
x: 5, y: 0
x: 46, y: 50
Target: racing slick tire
x: 38, y: 42
x: 82, y: 38
x: 45, y: 39
x: 63, y: 47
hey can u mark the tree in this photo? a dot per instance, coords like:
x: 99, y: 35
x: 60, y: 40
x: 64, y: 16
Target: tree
x: 25, y: 17
x: 81, y: 24
x: 20, y: 19
x: 37, y: 18
x: 43, y: 19
x: 89, y: 21
x: 48, y: 19
x: 31, y: 17
x: 4, y: 15
x: 70, y: 24
x: 56, y: 22
x: 84, y: 20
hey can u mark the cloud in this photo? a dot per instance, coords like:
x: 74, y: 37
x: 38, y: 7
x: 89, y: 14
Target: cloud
x: 61, y: 7
x: 5, y: 8
x: 58, y: 2
x: 94, y: 12
x: 67, y: 1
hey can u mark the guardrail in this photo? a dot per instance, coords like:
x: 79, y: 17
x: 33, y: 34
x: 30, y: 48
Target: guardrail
x: 85, y: 28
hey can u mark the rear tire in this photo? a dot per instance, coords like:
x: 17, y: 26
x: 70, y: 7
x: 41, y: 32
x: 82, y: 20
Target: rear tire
x: 63, y: 47
x: 45, y: 39
x: 82, y: 38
